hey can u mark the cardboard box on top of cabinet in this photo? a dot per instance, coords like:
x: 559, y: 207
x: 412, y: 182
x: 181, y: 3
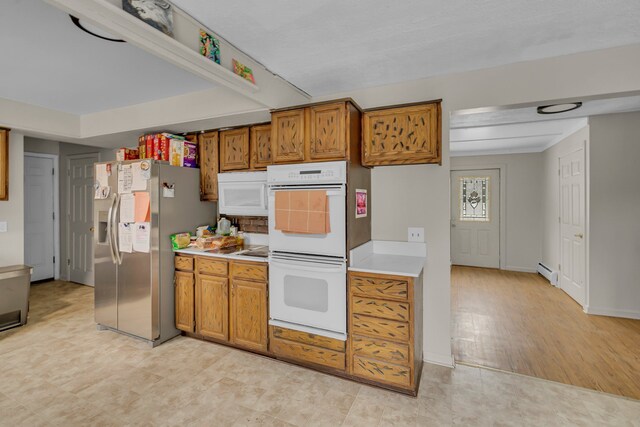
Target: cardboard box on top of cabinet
x: 183, y: 153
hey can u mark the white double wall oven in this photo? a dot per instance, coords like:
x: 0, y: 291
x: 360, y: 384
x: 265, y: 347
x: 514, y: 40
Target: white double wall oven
x: 307, y: 272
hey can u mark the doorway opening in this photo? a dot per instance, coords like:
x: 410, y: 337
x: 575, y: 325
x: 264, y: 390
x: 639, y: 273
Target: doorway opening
x: 523, y: 296
x: 41, y: 210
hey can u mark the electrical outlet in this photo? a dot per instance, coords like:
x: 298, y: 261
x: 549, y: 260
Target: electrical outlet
x: 416, y: 234
x: 3, y: 226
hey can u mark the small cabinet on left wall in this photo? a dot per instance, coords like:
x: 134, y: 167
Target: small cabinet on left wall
x: 4, y: 164
x: 208, y: 151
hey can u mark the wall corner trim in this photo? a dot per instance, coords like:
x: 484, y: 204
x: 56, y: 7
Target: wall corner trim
x: 440, y: 359
x: 612, y: 312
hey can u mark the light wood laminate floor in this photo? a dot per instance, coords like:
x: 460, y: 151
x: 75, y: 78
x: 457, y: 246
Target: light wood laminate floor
x: 58, y: 370
x: 518, y: 322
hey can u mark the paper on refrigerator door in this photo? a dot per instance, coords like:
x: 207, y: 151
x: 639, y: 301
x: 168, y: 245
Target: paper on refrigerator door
x: 101, y: 185
x: 142, y: 206
x: 140, y: 175
x: 142, y: 237
x: 127, y: 208
x: 125, y: 237
x: 125, y: 179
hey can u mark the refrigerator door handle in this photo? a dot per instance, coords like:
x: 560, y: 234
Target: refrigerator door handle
x: 114, y: 230
x: 110, y: 229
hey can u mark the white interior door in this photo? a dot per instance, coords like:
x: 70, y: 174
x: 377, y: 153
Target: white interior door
x: 39, y: 221
x: 80, y: 220
x: 475, y: 218
x: 572, y: 225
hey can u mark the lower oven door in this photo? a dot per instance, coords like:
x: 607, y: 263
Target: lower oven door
x: 309, y: 295
x: 333, y: 243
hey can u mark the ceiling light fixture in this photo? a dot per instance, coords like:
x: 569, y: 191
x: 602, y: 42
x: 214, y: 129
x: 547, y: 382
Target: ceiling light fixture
x: 94, y: 31
x: 558, y: 108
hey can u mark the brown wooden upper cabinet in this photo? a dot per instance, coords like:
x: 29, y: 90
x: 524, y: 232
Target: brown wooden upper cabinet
x: 402, y: 135
x: 4, y: 164
x: 208, y: 151
x: 328, y: 132
x: 234, y: 149
x: 288, y: 136
x: 316, y: 133
x: 260, y: 146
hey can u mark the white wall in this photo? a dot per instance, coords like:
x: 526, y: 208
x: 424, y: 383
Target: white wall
x: 614, y: 232
x: 12, y: 211
x: 551, y: 193
x: 522, y: 221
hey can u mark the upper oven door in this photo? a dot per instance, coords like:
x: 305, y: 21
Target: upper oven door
x: 333, y: 243
x: 243, y: 198
x: 308, y: 294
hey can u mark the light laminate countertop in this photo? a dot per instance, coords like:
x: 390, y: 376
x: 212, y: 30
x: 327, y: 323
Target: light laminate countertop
x: 394, y: 258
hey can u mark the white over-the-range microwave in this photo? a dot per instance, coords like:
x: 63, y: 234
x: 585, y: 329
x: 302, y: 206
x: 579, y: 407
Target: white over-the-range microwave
x: 243, y: 193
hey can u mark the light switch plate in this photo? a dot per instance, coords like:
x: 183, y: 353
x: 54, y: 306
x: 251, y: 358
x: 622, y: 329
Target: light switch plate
x: 416, y: 234
x: 3, y: 226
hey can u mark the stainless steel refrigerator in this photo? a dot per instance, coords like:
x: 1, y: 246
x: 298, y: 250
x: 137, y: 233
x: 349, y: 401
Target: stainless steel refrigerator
x: 134, y: 292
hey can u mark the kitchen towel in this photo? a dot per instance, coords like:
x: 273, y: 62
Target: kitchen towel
x: 302, y: 212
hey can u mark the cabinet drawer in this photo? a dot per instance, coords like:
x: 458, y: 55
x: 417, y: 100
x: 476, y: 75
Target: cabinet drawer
x: 379, y: 287
x: 184, y: 263
x: 381, y: 371
x: 380, y: 349
x: 211, y: 266
x: 386, y: 309
x: 307, y: 353
x: 249, y: 271
x: 380, y: 328
x: 307, y: 338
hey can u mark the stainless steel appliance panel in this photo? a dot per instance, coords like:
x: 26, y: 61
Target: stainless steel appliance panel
x: 105, y: 265
x: 137, y: 285
x: 182, y: 212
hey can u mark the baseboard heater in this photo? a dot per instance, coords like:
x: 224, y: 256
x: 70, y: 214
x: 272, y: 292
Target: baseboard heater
x: 550, y: 275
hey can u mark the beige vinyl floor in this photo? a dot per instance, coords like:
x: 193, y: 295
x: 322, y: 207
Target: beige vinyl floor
x: 59, y: 370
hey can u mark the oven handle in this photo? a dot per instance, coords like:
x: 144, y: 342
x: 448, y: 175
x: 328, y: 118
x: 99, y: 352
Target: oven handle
x: 305, y: 266
x: 330, y: 191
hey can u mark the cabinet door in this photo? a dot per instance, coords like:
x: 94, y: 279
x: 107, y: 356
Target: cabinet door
x: 234, y: 149
x: 4, y: 164
x: 403, y: 135
x: 260, y: 141
x: 212, y: 307
x: 287, y: 136
x: 249, y: 314
x: 208, y: 151
x: 328, y: 132
x: 185, y: 300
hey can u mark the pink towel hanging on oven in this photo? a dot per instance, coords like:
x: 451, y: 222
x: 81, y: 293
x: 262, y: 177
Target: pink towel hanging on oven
x: 302, y: 212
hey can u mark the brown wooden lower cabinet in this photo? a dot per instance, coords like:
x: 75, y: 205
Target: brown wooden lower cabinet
x: 227, y: 301
x: 184, y: 300
x: 307, y: 348
x: 385, y: 324
x: 249, y: 302
x: 212, y: 307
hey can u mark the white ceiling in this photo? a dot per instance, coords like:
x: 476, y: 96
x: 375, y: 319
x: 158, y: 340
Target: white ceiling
x: 512, y: 138
x: 523, y: 130
x: 327, y: 46
x: 47, y: 61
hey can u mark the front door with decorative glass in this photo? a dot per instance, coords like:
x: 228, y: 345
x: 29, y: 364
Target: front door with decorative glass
x: 475, y: 218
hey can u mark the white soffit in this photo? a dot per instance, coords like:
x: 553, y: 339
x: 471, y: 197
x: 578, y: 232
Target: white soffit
x: 327, y: 46
x: 48, y: 62
x: 511, y: 138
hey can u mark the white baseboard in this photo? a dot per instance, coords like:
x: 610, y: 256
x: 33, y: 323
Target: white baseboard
x: 612, y: 312
x: 521, y: 269
x: 440, y: 359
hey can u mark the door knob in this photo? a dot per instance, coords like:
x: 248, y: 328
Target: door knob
x: 579, y: 235
x: 91, y: 229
